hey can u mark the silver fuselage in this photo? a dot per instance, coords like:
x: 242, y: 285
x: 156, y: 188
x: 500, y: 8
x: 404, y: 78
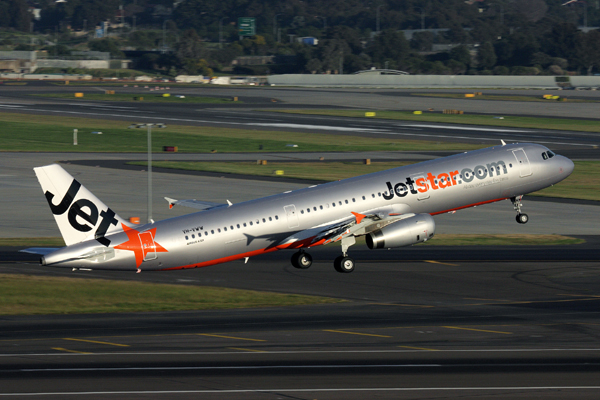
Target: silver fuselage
x: 286, y: 220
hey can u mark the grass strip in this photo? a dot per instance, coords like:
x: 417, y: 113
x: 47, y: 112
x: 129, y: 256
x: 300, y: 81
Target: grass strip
x: 145, y: 97
x: 27, y: 295
x: 33, y: 242
x: 467, y: 119
x: 581, y: 184
x: 500, y: 97
x: 22, y: 132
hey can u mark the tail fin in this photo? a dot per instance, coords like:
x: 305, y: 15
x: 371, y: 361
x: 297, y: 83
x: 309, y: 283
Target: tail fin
x: 79, y: 214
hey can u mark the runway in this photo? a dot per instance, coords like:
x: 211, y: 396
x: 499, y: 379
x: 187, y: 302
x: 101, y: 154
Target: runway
x: 417, y: 323
x: 408, y: 329
x: 254, y: 113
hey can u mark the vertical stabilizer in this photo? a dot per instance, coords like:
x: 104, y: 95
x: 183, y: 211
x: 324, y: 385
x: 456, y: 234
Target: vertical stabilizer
x: 79, y: 214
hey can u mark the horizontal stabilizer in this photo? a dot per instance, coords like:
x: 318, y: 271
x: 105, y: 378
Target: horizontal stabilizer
x: 39, y: 250
x: 197, y: 204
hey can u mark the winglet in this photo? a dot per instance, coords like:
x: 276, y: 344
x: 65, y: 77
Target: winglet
x: 359, y: 217
x: 503, y: 143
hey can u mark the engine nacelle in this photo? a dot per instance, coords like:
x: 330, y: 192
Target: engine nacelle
x: 405, y: 232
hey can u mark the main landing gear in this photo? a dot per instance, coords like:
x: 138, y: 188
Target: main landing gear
x: 521, y: 217
x: 301, y: 260
x: 343, y: 263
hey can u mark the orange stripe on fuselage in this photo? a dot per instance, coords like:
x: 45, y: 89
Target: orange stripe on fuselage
x: 298, y: 244
x: 470, y: 205
x: 294, y: 245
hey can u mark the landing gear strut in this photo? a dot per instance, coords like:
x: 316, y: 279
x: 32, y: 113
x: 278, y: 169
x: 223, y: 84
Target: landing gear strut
x: 301, y: 260
x: 343, y: 263
x: 521, y: 217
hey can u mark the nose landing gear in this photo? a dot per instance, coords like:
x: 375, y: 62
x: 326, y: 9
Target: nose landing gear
x: 521, y: 217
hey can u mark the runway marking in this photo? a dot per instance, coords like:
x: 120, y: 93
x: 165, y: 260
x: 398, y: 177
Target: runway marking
x: 509, y: 302
x: 97, y: 342
x: 439, y: 262
x: 417, y: 348
x: 230, y: 337
x: 69, y: 351
x: 356, y: 333
x: 305, y: 390
x: 477, y: 330
x: 187, y: 353
x: 242, y: 349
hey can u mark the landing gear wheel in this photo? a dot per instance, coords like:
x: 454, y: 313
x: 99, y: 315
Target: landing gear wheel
x: 522, y: 218
x: 301, y: 260
x: 344, y: 264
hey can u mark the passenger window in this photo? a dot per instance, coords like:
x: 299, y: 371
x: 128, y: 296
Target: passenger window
x: 186, y: 238
x: 225, y: 229
x: 301, y: 211
x: 333, y: 204
x: 321, y: 207
x: 244, y: 224
x: 251, y: 223
x: 364, y: 198
x: 193, y: 236
x: 212, y: 231
x: 270, y: 219
x: 238, y: 226
x: 264, y: 220
x: 315, y: 208
x: 219, y: 230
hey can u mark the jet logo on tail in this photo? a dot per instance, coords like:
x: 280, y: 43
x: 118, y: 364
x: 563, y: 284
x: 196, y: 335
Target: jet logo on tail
x: 83, y: 209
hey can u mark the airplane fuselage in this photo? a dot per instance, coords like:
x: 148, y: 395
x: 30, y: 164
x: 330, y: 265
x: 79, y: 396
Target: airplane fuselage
x: 291, y: 220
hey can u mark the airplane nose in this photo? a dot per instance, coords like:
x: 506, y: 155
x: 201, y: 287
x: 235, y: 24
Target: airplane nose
x: 567, y: 166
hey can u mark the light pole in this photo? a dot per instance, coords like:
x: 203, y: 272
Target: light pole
x: 275, y: 24
x: 422, y: 18
x: 221, y: 32
x: 164, y: 41
x: 377, y: 19
x: 149, y: 126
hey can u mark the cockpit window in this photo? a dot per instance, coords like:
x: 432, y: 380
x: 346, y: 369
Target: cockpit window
x: 551, y: 154
x: 545, y: 155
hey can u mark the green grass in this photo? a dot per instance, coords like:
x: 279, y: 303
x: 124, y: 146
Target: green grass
x: 583, y: 183
x: 487, y: 120
x: 27, y: 295
x: 22, y: 132
x: 501, y: 97
x: 501, y: 240
x: 146, y: 97
x: 33, y: 242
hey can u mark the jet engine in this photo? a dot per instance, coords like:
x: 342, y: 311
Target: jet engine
x: 405, y: 232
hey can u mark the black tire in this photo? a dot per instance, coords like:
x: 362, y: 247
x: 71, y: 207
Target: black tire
x: 522, y: 218
x: 301, y: 260
x: 344, y: 264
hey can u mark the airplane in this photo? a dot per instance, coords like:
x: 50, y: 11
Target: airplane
x: 391, y: 208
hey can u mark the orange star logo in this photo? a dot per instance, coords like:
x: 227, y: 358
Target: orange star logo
x: 142, y: 244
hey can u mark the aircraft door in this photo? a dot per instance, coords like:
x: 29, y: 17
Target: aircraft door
x: 292, y: 217
x: 523, y: 162
x: 421, y: 175
x: 148, y: 246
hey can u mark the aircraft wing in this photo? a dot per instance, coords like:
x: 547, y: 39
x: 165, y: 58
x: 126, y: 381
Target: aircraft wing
x: 197, y: 204
x: 355, y: 225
